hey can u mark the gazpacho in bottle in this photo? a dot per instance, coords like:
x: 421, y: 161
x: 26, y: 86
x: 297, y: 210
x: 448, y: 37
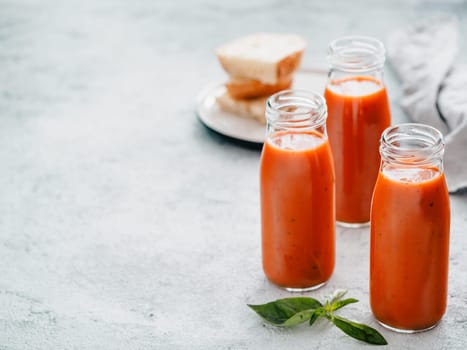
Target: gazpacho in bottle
x: 358, y: 111
x: 410, y: 219
x: 297, y: 192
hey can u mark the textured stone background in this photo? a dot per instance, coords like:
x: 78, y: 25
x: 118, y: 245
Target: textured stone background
x: 124, y: 222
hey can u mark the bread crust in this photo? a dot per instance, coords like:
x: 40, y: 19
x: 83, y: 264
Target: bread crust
x: 289, y: 65
x: 258, y: 66
x: 266, y: 57
x: 250, y: 88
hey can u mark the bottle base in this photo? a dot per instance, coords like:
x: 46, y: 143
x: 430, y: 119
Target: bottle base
x: 353, y: 224
x: 407, y: 331
x: 306, y: 289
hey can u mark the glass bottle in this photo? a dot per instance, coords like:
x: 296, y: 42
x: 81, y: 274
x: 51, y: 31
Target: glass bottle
x: 410, y: 219
x: 297, y: 192
x: 358, y: 111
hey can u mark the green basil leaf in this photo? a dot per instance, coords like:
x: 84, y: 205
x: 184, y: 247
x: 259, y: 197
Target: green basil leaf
x: 298, y: 318
x: 280, y: 311
x: 359, y: 331
x: 341, y: 303
x: 316, y: 314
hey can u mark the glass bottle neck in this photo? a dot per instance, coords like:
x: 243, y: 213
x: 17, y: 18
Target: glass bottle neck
x: 412, y: 147
x: 356, y: 56
x: 296, y: 111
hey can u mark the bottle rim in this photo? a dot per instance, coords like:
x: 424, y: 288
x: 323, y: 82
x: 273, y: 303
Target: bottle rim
x: 356, y: 53
x: 296, y: 108
x: 412, y: 144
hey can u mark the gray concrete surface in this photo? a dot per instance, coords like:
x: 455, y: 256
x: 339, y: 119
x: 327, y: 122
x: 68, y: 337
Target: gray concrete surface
x: 124, y: 222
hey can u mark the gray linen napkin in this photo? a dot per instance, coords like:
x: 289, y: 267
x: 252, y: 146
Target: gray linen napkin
x: 434, y: 87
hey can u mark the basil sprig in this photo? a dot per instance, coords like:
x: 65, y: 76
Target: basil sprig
x: 290, y: 312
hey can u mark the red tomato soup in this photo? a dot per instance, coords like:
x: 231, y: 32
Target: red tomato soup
x: 358, y: 112
x: 409, y: 247
x: 298, y: 209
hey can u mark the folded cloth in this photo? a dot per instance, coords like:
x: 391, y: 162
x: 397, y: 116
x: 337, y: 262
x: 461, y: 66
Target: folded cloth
x: 434, y: 87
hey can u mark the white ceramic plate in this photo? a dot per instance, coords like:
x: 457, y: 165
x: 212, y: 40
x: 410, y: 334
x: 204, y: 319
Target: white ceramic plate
x: 242, y: 128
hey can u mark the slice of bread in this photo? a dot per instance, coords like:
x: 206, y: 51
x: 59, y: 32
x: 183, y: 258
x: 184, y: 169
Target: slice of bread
x: 239, y: 88
x: 251, y: 108
x: 266, y: 57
